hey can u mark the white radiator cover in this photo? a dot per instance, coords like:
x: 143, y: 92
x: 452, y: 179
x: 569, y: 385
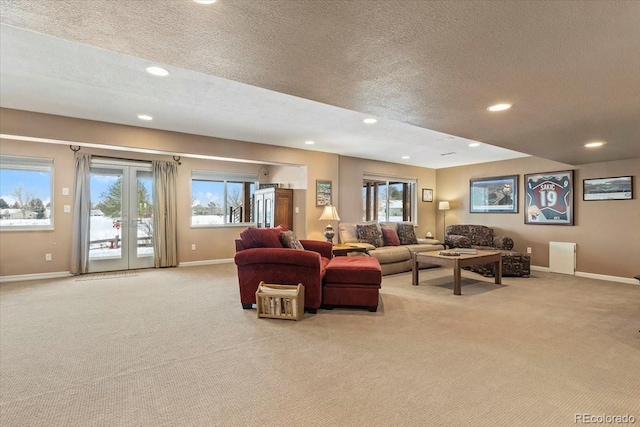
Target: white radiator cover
x: 562, y: 257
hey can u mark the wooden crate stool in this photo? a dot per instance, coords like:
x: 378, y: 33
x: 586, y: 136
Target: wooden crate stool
x: 280, y: 301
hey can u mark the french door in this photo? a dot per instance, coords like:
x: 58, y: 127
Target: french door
x: 121, y: 221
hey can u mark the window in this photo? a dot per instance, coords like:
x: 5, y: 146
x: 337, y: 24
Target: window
x: 388, y: 199
x: 26, y: 193
x: 221, y: 198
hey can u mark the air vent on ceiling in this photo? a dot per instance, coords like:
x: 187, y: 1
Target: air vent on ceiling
x: 448, y: 154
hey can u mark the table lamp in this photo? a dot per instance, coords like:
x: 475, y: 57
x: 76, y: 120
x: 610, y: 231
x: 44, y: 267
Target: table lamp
x: 329, y: 214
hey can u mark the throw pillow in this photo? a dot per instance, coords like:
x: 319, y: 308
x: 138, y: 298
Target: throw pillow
x: 390, y: 237
x: 407, y: 234
x: 289, y: 240
x: 254, y: 237
x: 348, y: 232
x: 369, y: 233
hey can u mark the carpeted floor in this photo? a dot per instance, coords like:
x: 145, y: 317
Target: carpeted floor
x: 173, y: 347
x: 106, y: 275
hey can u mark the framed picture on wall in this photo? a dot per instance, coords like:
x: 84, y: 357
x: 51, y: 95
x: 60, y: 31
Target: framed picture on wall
x: 615, y: 188
x: 548, y: 198
x: 427, y: 195
x: 494, y: 195
x: 323, y: 193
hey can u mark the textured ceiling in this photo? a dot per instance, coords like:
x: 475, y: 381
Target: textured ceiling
x: 571, y: 69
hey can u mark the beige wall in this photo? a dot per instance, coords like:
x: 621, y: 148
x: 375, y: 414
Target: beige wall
x: 294, y: 177
x: 297, y: 169
x: 350, y: 201
x: 23, y: 252
x: 607, y: 233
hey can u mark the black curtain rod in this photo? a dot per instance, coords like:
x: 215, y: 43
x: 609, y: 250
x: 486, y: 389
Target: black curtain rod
x: 75, y: 148
x: 120, y: 158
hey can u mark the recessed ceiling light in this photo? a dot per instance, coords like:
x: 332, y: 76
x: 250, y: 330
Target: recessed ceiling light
x: 406, y: 157
x: 474, y: 144
x: 157, y: 71
x: 145, y: 117
x: 205, y: 1
x: 594, y: 144
x: 370, y: 121
x: 309, y: 142
x: 499, y: 107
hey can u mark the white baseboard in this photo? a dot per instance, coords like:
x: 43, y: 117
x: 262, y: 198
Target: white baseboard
x: 538, y: 268
x: 205, y: 262
x: 627, y: 280
x: 37, y: 276
x: 59, y: 274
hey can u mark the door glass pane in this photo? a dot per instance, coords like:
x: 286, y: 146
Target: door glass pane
x: 364, y: 203
x: 383, y: 195
x: 395, y: 195
x: 234, y: 202
x: 145, y: 214
x: 267, y: 213
x: 106, y: 214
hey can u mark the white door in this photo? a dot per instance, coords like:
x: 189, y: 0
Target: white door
x: 121, y: 222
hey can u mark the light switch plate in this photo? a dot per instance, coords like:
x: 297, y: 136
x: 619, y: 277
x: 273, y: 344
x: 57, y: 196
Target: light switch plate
x: 65, y: 191
x: 67, y: 208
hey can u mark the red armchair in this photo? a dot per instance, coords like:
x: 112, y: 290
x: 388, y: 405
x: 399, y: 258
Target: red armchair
x: 280, y: 265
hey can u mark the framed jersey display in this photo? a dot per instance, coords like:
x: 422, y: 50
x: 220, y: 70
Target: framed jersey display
x: 548, y: 198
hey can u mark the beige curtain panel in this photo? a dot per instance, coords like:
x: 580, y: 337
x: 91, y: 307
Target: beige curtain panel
x: 165, y: 244
x: 81, y: 214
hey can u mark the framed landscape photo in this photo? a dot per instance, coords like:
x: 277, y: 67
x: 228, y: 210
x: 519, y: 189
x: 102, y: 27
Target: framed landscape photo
x: 427, y: 195
x: 548, y: 198
x: 614, y: 188
x: 494, y: 195
x: 323, y: 193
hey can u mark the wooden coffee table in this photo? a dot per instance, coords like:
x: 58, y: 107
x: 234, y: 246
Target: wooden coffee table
x: 457, y: 262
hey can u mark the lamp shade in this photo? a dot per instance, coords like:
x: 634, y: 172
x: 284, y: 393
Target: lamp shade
x: 444, y: 206
x: 330, y: 213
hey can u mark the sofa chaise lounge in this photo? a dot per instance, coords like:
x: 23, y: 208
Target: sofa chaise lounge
x: 391, y: 243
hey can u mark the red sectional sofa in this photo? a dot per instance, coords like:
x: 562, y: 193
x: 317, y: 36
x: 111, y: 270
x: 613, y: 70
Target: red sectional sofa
x: 261, y: 257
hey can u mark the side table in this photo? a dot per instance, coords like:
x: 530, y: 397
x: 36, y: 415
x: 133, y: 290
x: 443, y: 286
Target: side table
x: 343, y: 250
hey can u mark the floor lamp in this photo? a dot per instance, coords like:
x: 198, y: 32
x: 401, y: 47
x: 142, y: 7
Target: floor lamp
x: 444, y: 206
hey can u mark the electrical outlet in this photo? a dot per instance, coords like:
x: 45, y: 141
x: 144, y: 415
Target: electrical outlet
x: 193, y: 246
x: 47, y: 257
x: 528, y: 250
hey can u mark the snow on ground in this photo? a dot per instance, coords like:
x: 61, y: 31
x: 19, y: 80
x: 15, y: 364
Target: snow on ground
x: 207, y: 219
x: 102, y: 228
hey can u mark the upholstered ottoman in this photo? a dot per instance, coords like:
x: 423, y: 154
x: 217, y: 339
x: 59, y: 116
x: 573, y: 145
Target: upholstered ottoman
x: 352, y: 281
x: 513, y: 264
